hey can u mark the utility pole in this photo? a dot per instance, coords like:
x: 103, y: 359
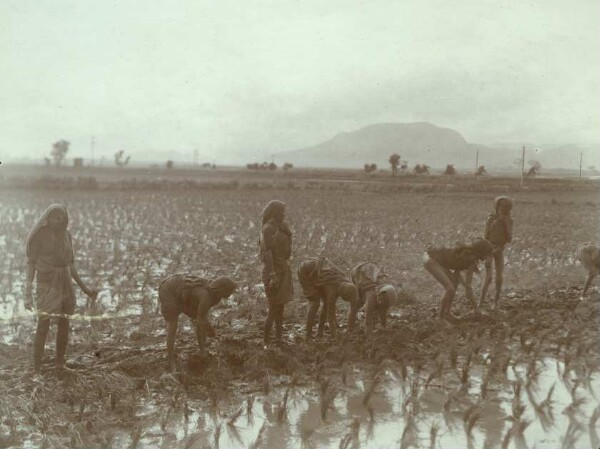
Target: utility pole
x: 477, y: 163
x: 93, y: 144
x: 195, y: 157
x: 580, y: 163
x: 522, y: 165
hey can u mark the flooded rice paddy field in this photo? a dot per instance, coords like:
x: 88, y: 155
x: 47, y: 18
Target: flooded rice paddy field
x: 525, y: 376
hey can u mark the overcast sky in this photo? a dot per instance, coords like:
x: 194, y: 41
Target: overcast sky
x: 235, y: 79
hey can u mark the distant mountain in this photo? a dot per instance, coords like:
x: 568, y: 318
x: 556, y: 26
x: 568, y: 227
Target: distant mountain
x: 429, y: 144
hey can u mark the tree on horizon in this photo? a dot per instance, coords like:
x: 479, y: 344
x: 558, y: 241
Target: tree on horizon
x: 59, y: 151
x: 394, y: 161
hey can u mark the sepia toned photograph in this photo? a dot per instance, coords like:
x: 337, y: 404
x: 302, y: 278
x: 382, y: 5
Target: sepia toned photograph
x: 299, y: 224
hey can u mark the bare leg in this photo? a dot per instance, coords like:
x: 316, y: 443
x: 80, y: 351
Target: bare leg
x: 210, y: 330
x: 331, y: 318
x: 487, y: 281
x: 279, y: 321
x: 352, y: 311
x: 62, y: 339
x: 171, y: 334
x: 588, y: 282
x: 322, y: 318
x: 269, y: 323
x: 370, y: 306
x: 499, y: 265
x: 41, y: 333
x: 440, y: 275
x: 313, y: 307
x: 383, y: 316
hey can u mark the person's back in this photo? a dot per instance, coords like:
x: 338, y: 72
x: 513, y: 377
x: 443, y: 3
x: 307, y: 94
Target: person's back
x: 175, y: 295
x: 194, y: 296
x: 588, y: 255
x: 458, y: 258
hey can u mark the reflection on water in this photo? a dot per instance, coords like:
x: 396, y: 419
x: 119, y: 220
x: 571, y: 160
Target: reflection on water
x: 397, y: 415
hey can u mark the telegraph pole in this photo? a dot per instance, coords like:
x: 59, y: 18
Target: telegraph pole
x: 522, y: 165
x: 93, y: 144
x: 580, y: 163
x: 477, y: 163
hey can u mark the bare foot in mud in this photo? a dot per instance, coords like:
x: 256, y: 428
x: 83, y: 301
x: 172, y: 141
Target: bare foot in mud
x: 63, y: 371
x: 172, y: 365
x: 450, y: 319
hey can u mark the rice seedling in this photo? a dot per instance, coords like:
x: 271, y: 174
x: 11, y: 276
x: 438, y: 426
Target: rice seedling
x: 165, y: 419
x: 344, y: 374
x: 543, y: 410
x: 519, y: 433
x: 484, y: 385
x: 572, y: 434
x: 369, y: 392
x: 136, y: 436
x: 595, y: 441
x: 532, y: 374
x: 233, y: 418
x: 191, y: 441
x: 75, y: 440
x: 470, y: 418
x: 305, y: 434
x: 352, y: 435
x: 250, y: 405
x: 326, y: 398
x: 217, y: 435
x: 107, y: 439
x: 267, y: 384
x: 464, y: 374
x: 434, y: 430
x: 258, y: 441
x: 410, y: 433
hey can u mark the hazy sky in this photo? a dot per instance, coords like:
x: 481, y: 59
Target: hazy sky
x: 236, y: 79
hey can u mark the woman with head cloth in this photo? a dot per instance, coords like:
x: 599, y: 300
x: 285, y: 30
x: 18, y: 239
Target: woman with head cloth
x: 374, y: 293
x: 498, y: 230
x: 445, y: 265
x: 588, y: 255
x: 193, y: 296
x: 323, y: 282
x: 275, y: 251
x: 50, y: 261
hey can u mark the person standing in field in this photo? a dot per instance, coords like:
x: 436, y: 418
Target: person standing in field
x: 51, y: 263
x: 322, y: 281
x: 445, y: 265
x: 498, y: 230
x: 376, y: 295
x: 194, y: 296
x: 275, y: 245
x: 589, y: 256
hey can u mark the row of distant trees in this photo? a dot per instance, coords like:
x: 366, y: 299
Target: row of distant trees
x: 59, y: 151
x: 396, y: 163
x: 268, y: 166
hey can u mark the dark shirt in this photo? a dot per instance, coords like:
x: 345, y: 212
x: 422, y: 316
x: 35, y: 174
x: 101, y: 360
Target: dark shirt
x: 453, y: 258
x: 498, y: 229
x: 181, y: 293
